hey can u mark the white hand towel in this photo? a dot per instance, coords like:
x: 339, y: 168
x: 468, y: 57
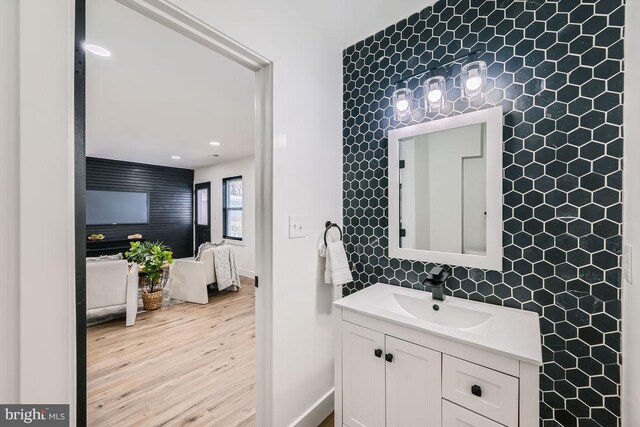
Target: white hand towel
x: 327, y: 267
x: 338, y: 263
x: 322, y: 252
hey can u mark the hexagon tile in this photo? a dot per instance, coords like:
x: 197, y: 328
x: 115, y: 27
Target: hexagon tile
x: 556, y: 68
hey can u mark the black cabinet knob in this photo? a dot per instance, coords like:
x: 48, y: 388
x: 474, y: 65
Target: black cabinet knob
x: 476, y: 390
x: 388, y: 357
x: 377, y: 352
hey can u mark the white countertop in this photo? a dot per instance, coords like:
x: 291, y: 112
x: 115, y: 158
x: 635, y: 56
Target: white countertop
x: 508, y: 331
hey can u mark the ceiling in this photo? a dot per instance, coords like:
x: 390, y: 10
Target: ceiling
x: 161, y: 94
x: 355, y: 20
x: 343, y: 21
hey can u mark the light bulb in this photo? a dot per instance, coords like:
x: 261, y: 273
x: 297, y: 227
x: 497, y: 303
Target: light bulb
x: 434, y: 95
x: 402, y: 105
x: 473, y: 83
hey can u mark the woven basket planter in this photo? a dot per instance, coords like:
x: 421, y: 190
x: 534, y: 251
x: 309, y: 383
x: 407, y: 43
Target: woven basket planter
x: 152, y: 300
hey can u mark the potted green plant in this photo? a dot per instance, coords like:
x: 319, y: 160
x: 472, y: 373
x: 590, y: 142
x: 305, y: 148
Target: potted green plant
x: 153, y: 259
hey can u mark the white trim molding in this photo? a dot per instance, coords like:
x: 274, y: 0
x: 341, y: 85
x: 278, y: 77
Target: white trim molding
x: 246, y: 273
x: 171, y: 16
x: 493, y: 120
x: 9, y: 202
x: 313, y: 416
x: 47, y: 186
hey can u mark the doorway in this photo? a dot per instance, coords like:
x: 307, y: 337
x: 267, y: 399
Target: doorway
x: 202, y: 213
x: 184, y: 24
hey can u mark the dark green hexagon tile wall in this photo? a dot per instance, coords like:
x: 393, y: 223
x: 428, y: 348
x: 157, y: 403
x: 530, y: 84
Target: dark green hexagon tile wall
x: 556, y: 68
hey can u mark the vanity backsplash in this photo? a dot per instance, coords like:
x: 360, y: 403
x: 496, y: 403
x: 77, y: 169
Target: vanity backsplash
x: 556, y: 70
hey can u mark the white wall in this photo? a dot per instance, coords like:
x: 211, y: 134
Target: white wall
x: 631, y: 213
x: 245, y: 251
x: 440, y: 170
x: 422, y: 193
x: 47, y: 365
x: 445, y: 184
x: 9, y: 200
x: 307, y: 164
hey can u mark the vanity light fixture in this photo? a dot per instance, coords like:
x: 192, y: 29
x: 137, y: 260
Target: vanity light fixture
x: 97, y: 50
x: 175, y: 157
x: 474, y: 80
x: 435, y: 93
x: 402, y: 104
x: 215, y: 143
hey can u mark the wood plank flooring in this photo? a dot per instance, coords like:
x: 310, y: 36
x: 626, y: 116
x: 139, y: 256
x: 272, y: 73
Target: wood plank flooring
x: 328, y: 422
x: 187, y: 364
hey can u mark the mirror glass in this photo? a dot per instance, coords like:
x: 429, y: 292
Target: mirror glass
x: 443, y: 190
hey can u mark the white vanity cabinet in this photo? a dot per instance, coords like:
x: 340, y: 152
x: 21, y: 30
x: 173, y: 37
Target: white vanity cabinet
x: 396, y: 372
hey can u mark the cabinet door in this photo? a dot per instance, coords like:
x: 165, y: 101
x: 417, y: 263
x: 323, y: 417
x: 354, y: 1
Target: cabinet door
x: 413, y: 385
x: 362, y: 376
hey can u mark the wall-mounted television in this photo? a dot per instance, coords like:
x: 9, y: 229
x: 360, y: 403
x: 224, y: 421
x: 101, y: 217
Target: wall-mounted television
x: 117, y: 207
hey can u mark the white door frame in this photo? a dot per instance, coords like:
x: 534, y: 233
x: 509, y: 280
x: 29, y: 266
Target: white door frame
x: 177, y: 19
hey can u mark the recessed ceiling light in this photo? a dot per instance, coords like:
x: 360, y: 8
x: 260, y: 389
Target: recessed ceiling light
x: 214, y: 143
x: 175, y: 157
x: 97, y: 50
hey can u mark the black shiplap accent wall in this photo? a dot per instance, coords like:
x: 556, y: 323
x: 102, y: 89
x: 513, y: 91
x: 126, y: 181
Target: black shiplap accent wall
x: 170, y: 201
x: 555, y: 66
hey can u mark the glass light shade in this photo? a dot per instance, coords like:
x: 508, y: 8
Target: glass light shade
x: 402, y: 104
x: 436, y: 93
x: 474, y: 80
x: 97, y: 50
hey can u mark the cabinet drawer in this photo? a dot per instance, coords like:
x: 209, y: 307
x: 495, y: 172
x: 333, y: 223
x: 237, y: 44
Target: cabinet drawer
x: 482, y: 390
x: 457, y: 416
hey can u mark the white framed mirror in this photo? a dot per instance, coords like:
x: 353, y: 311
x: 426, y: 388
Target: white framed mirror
x: 445, y: 190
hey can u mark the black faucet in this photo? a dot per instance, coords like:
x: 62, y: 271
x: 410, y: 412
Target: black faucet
x: 435, y: 279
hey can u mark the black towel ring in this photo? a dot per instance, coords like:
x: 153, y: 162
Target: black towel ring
x: 327, y: 226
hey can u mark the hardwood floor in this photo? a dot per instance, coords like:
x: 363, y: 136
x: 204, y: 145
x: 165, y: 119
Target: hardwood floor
x: 185, y: 364
x: 328, y: 422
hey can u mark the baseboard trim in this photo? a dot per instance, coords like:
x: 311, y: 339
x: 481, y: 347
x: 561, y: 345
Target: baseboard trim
x: 246, y: 273
x: 317, y: 412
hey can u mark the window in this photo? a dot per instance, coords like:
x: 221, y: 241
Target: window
x: 202, y: 206
x: 232, y: 208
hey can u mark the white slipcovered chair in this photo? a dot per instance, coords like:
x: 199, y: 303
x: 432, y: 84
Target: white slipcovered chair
x: 111, y: 283
x: 189, y: 279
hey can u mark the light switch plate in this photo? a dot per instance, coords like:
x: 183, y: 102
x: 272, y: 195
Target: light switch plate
x: 626, y: 263
x: 297, y: 228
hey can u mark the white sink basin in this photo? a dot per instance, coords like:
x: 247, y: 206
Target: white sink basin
x: 511, y: 332
x: 440, y: 312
